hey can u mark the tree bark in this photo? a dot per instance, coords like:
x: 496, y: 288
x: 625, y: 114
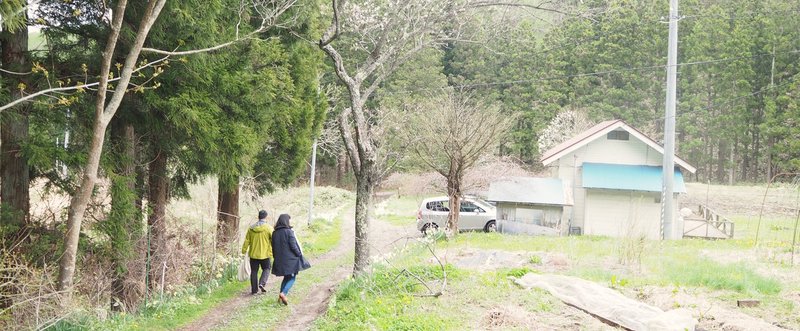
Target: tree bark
x: 770, y: 164
x: 14, y: 170
x: 454, y: 193
x: 341, y: 169
x: 721, y: 162
x: 77, y: 209
x: 156, y: 222
x: 227, y: 214
x: 103, y: 115
x: 364, y: 190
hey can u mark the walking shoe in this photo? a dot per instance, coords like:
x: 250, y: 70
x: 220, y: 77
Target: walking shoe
x: 282, y: 299
x: 263, y: 290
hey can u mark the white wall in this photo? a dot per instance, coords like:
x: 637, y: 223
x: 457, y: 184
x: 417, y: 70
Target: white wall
x: 602, y: 150
x: 619, y: 213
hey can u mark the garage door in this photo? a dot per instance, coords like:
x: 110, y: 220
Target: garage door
x: 622, y: 213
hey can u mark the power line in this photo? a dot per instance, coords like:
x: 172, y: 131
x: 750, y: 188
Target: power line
x: 596, y: 73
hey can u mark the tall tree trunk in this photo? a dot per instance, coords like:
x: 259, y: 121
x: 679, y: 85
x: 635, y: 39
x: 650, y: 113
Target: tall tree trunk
x: 732, y: 160
x: 227, y: 213
x: 365, y: 187
x: 770, y: 163
x: 721, y: 162
x: 126, y: 228
x: 754, y: 172
x: 454, y: 178
x: 14, y: 170
x: 341, y: 169
x: 136, y: 280
x: 454, y: 194
x: 80, y: 200
x: 156, y: 222
x: 104, y: 112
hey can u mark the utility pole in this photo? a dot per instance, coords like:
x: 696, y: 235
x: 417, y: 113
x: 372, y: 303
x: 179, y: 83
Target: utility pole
x: 313, y: 171
x: 668, y: 168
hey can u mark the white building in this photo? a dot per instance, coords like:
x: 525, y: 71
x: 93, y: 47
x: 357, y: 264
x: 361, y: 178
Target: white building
x: 615, y: 174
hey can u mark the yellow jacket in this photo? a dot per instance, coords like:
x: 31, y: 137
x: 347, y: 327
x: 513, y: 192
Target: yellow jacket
x: 259, y: 241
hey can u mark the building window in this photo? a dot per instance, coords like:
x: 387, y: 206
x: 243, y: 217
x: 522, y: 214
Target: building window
x: 618, y: 135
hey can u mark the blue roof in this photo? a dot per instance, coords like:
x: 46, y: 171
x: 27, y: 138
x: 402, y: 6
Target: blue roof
x: 530, y: 190
x: 628, y: 177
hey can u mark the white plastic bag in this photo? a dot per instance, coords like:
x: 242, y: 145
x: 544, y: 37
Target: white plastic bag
x: 244, y: 268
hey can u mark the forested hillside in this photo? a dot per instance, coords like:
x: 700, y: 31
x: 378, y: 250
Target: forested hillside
x: 737, y: 78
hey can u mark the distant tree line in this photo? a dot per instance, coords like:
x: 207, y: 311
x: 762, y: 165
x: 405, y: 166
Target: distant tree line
x: 738, y: 77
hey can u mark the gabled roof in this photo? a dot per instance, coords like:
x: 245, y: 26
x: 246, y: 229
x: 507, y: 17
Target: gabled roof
x: 531, y: 190
x: 600, y: 130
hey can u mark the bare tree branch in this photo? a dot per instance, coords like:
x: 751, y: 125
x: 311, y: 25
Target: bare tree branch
x: 344, y: 127
x: 74, y: 87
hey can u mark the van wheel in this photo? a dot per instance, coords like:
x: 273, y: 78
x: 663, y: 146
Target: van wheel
x: 429, y: 229
x: 491, y: 226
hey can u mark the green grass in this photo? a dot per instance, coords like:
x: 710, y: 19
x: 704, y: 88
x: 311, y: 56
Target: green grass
x: 578, y: 247
x: 772, y: 231
x: 320, y: 237
x: 406, y: 205
x: 167, y: 315
x: 703, y: 272
x: 384, y: 300
x: 671, y: 263
x: 398, y: 220
x: 399, y: 211
x: 182, y: 309
x: 387, y: 299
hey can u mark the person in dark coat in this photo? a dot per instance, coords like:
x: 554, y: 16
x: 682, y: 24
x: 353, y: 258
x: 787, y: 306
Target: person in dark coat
x: 287, y: 254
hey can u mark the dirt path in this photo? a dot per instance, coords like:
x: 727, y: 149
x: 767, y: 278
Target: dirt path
x: 384, y: 238
x: 315, y: 303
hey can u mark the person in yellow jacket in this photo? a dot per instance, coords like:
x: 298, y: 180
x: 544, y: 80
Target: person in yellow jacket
x: 258, y: 245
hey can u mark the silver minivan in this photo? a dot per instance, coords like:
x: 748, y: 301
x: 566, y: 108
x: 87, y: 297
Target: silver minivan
x: 475, y: 214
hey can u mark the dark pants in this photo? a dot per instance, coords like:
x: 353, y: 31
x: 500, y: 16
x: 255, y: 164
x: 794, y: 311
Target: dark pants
x: 254, y: 281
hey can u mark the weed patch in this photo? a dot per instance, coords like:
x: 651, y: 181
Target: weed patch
x: 704, y: 272
x: 385, y: 299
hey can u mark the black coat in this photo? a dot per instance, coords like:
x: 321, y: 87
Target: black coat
x: 286, y: 252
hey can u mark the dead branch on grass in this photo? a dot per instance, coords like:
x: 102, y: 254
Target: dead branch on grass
x: 405, y: 272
